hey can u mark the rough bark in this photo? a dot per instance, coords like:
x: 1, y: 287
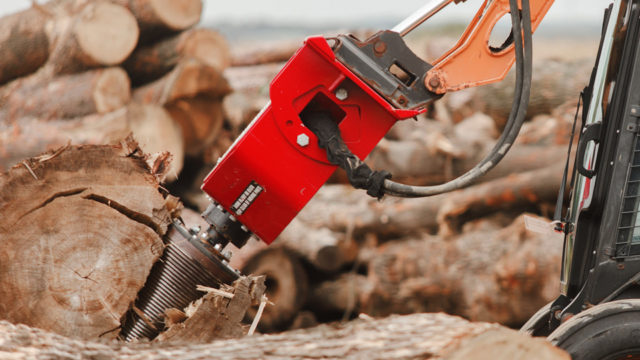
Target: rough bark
x: 24, y: 43
x: 188, y: 79
x: 286, y: 282
x: 419, y: 336
x: 215, y: 317
x: 80, y: 230
x: 502, y: 275
x: 158, y: 18
x: 150, y: 124
x: 151, y: 62
x: 200, y: 119
x: 342, y: 296
x: 98, y: 34
x: 98, y: 91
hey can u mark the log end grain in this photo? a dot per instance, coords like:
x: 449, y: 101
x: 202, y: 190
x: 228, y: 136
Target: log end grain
x: 112, y: 90
x: 207, y: 46
x: 106, y: 33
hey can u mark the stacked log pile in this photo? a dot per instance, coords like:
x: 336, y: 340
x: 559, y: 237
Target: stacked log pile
x: 92, y: 71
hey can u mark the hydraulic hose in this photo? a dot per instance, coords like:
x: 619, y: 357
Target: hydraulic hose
x: 521, y: 24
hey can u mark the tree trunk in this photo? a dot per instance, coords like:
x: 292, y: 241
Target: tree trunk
x: 502, y: 275
x: 98, y: 91
x: 24, y: 43
x: 200, y: 119
x: 287, y: 286
x: 188, y: 79
x: 152, y: 125
x: 151, y: 62
x: 260, y: 54
x: 80, y: 230
x: 342, y: 296
x: 100, y: 34
x: 159, y: 18
x: 419, y: 336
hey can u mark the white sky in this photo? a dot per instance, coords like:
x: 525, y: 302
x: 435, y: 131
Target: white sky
x: 343, y: 11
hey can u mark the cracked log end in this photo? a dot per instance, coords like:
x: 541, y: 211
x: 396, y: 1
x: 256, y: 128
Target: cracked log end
x: 80, y: 230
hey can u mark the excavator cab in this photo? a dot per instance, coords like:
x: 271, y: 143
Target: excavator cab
x: 597, y: 315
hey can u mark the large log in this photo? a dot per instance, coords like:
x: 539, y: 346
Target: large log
x: 188, y: 79
x: 158, y: 18
x: 98, y: 91
x: 151, y: 62
x: 96, y: 33
x: 157, y: 132
x: 419, y: 336
x: 500, y: 275
x: 24, y: 44
x: 200, y: 119
x: 80, y: 230
x: 259, y: 54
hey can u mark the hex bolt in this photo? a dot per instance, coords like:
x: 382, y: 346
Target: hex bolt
x: 434, y: 82
x: 342, y: 94
x: 302, y: 140
x: 195, y: 229
x: 227, y: 254
x: 380, y: 47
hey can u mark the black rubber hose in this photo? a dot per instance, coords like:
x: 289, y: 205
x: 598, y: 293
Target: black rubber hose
x: 523, y: 54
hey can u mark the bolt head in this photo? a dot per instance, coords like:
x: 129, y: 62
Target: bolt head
x: 302, y: 140
x: 342, y: 94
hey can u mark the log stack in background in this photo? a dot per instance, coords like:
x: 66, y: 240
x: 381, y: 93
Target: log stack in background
x: 91, y: 71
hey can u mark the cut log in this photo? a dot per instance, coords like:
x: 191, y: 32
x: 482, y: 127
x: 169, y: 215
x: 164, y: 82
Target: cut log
x: 80, y: 230
x: 341, y: 297
x: 98, y: 91
x: 216, y: 317
x: 419, y: 336
x: 158, y: 18
x: 157, y: 132
x: 555, y: 83
x: 188, y: 79
x: 200, y: 119
x: 24, y: 44
x: 340, y: 207
x: 151, y: 62
x: 502, y: 275
x: 259, y: 54
x: 326, y: 250
x: 101, y: 34
x: 287, y: 286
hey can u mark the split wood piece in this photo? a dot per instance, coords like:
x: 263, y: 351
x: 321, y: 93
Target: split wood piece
x: 200, y: 119
x: 100, y: 34
x: 259, y: 54
x: 151, y: 62
x: 341, y: 297
x: 326, y: 250
x: 188, y: 79
x: 159, y: 18
x: 81, y: 228
x: 151, y: 124
x: 287, y: 286
x: 500, y: 276
x: 418, y: 336
x: 24, y: 43
x: 98, y: 91
x: 240, y: 108
x: 216, y: 317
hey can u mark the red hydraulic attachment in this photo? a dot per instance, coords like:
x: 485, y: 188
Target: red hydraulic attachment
x: 274, y: 168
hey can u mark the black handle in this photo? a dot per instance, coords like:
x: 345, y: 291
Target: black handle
x: 591, y: 133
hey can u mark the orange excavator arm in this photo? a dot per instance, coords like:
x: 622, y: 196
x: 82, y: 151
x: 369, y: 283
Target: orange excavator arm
x: 472, y: 61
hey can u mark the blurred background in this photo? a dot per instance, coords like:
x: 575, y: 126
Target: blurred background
x: 469, y: 253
